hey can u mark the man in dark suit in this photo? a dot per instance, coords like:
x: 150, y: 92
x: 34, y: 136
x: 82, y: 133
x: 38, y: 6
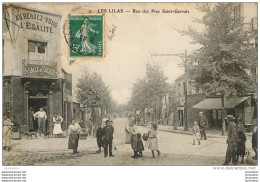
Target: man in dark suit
x: 108, y: 131
x: 203, y: 124
x: 231, y: 141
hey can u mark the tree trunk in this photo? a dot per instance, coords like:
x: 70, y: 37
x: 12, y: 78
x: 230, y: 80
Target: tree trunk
x: 223, y: 114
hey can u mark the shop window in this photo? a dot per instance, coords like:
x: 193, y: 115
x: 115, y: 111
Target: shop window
x: 219, y: 114
x: 214, y: 114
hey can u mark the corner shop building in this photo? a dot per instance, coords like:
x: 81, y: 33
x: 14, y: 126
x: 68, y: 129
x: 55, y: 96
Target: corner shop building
x: 32, y: 73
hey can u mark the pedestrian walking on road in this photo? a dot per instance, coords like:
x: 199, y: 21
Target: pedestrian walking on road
x: 241, y: 143
x: 203, y: 124
x: 255, y: 140
x: 7, y: 133
x: 196, y: 133
x: 57, y: 120
x: 108, y: 131
x: 42, y: 117
x: 73, y: 131
x: 152, y: 142
x: 99, y: 136
x: 231, y: 141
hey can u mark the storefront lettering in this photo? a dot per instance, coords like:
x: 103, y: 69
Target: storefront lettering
x: 47, y: 26
x: 32, y: 26
x: 41, y: 69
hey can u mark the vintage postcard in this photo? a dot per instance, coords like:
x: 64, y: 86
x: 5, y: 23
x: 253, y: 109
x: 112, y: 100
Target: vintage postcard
x: 130, y: 84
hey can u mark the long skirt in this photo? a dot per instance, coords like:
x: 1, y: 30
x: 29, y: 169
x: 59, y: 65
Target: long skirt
x: 73, y: 141
x: 134, y: 141
x: 241, y: 149
x: 57, y: 129
x: 7, y: 134
x: 152, y: 143
x: 140, y: 145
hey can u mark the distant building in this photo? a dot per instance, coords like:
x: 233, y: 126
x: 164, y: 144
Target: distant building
x: 194, y: 96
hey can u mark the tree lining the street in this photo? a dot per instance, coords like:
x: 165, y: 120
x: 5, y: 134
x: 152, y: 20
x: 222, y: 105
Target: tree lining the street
x: 93, y: 94
x: 226, y: 56
x: 147, y: 92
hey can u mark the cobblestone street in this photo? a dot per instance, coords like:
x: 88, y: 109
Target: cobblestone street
x: 177, y: 149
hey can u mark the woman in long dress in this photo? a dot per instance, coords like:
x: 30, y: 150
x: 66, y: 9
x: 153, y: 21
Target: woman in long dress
x: 73, y: 131
x: 152, y: 142
x: 57, y: 120
x: 7, y: 133
x: 83, y: 35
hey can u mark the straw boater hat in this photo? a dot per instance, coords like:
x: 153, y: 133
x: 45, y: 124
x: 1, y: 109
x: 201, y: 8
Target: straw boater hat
x: 230, y: 118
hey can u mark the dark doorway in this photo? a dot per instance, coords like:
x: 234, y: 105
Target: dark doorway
x: 37, y: 103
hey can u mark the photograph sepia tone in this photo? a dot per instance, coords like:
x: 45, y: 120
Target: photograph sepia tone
x: 130, y: 84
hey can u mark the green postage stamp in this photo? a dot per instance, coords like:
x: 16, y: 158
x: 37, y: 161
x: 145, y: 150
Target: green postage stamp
x: 86, y: 35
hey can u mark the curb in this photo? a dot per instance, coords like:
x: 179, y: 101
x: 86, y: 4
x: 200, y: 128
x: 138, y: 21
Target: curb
x: 186, y: 133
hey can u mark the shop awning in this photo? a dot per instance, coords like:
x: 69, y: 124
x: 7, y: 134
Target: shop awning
x: 215, y: 103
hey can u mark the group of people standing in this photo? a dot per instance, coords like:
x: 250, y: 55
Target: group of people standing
x: 133, y: 137
x: 38, y: 122
x: 236, y: 140
x: 105, y: 137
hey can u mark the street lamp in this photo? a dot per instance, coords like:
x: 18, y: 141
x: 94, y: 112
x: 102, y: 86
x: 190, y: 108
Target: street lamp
x: 184, y: 58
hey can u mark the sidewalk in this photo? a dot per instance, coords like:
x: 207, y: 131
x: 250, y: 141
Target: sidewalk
x: 211, y: 133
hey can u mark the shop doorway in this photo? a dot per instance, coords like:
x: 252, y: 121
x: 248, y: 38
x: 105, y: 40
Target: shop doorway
x: 37, y: 103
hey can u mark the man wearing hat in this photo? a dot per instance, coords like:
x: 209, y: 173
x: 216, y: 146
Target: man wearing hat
x: 231, y: 140
x: 108, y: 131
x: 203, y: 123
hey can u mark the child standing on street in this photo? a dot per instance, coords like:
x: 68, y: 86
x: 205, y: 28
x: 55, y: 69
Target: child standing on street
x: 152, y: 142
x: 196, y: 132
x: 99, y: 135
x: 241, y: 144
x: 140, y: 145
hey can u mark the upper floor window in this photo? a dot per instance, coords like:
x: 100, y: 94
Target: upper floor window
x: 237, y: 11
x: 179, y: 89
x: 37, y: 50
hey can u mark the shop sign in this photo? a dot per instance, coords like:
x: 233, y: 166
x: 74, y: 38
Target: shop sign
x: 40, y: 71
x: 31, y: 20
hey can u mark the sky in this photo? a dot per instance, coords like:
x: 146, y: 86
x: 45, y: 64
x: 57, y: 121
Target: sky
x: 136, y: 38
